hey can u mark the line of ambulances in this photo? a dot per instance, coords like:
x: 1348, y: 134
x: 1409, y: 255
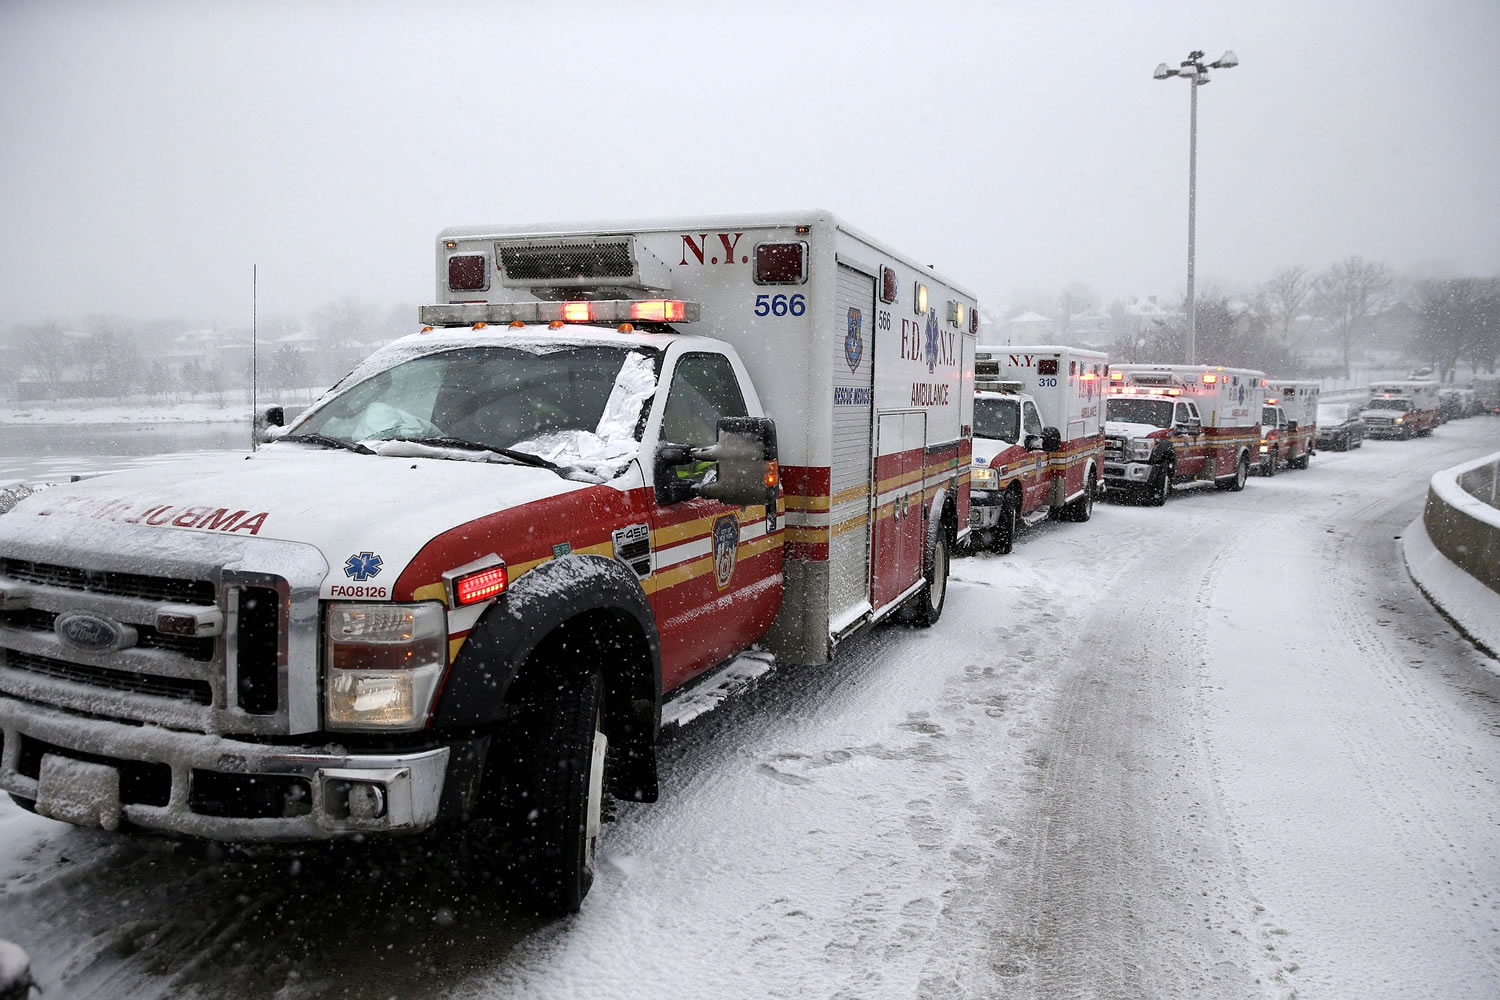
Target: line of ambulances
x: 465, y: 583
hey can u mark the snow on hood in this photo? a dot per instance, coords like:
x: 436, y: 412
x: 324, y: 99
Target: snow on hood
x: 985, y: 449
x: 1132, y: 430
x: 347, y: 505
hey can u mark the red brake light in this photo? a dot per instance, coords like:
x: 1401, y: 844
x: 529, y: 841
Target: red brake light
x: 479, y: 586
x: 888, y: 284
x: 659, y: 311
x: 467, y: 272
x: 578, y: 312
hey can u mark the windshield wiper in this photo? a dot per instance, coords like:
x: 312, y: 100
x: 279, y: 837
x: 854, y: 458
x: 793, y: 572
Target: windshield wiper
x: 327, y: 442
x: 524, y: 457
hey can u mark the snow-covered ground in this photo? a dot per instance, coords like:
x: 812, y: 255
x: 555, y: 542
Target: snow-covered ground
x: 1222, y: 749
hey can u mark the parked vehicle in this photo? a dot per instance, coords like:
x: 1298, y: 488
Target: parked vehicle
x: 1339, y: 426
x: 467, y: 581
x: 1038, y: 441
x: 1402, y: 409
x: 1275, y: 440
x: 1486, y: 393
x: 1170, y: 424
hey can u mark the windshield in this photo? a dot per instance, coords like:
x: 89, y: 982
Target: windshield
x: 576, y: 404
x: 1268, y: 416
x: 997, y: 419
x: 1399, y: 405
x: 1156, y: 412
x: 1333, y: 413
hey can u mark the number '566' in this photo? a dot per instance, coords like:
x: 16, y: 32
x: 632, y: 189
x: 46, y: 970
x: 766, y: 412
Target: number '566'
x: 780, y: 305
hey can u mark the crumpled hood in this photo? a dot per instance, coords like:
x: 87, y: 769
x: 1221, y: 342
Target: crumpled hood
x: 1122, y: 428
x: 370, y: 512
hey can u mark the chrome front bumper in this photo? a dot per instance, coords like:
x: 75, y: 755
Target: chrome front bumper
x: 155, y: 779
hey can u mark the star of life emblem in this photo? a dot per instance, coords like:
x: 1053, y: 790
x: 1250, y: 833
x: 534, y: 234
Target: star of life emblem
x: 362, y: 566
x: 726, y: 548
x: 932, y: 340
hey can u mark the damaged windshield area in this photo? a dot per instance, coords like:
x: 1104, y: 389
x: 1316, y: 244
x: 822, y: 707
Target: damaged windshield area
x: 575, y: 409
x: 997, y: 419
x: 1156, y: 412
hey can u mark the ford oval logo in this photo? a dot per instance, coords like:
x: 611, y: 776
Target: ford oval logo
x: 93, y: 633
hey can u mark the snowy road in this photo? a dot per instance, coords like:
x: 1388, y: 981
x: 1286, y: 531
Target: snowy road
x: 1223, y: 749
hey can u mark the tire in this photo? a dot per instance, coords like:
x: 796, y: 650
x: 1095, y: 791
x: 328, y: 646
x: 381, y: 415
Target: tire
x: 1082, y: 509
x: 558, y: 791
x: 1005, y: 531
x: 1241, y: 475
x: 1161, y: 486
x: 1268, y: 467
x: 926, y: 605
x: 1302, y: 461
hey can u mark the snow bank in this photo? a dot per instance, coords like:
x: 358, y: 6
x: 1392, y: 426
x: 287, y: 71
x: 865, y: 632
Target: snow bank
x: 1474, y: 607
x: 195, y: 412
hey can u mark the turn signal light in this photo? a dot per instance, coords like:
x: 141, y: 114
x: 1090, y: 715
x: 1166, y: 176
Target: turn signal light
x: 773, y: 475
x: 1210, y: 379
x: 480, y: 586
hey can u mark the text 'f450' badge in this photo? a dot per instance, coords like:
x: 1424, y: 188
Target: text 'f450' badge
x: 726, y: 548
x: 362, y: 566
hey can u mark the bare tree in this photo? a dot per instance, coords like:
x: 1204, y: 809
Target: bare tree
x: 46, y: 357
x: 1347, y: 294
x: 1283, y: 296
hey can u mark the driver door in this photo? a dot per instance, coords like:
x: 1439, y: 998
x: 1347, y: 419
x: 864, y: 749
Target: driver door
x: 1036, y: 479
x: 718, y: 567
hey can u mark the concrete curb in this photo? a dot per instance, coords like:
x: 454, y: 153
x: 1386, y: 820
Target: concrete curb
x: 1473, y: 608
x: 1465, y: 528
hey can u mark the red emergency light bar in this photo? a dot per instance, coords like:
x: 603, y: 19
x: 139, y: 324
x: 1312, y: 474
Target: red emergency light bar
x: 1210, y: 379
x: 611, y: 311
x: 1146, y: 390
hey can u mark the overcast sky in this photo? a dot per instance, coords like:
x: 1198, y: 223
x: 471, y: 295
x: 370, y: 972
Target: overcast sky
x: 150, y: 153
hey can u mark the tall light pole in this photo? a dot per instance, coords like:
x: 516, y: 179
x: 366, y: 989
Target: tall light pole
x: 1195, y: 72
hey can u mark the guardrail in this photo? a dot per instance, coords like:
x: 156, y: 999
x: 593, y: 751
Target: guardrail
x: 1462, y: 518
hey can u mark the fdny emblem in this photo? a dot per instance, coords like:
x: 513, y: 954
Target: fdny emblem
x: 932, y: 340
x: 726, y: 548
x: 362, y: 566
x: 854, y: 341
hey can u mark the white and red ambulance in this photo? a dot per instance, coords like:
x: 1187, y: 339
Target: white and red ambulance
x: 485, y: 563
x: 1172, y: 424
x: 1038, y: 438
x: 1403, y: 409
x: 1288, y: 424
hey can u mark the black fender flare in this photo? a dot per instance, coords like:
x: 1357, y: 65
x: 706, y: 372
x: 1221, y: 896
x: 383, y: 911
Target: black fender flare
x: 1163, y: 451
x: 935, y: 524
x: 539, y: 601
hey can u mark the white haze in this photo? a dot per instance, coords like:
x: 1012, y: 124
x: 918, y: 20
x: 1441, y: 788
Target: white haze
x: 153, y: 152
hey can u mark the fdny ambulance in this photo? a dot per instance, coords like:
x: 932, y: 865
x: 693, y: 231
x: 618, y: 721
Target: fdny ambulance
x: 467, y: 580
x: 1288, y: 424
x: 1038, y: 438
x: 1403, y: 409
x: 1171, y: 424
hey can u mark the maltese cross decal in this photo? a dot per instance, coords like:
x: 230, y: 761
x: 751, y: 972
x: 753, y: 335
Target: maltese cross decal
x: 363, y: 566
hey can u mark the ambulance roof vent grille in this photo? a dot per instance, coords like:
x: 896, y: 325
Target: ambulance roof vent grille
x: 567, y: 261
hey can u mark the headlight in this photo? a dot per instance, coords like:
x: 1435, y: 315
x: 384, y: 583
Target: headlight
x: 383, y: 664
x: 1141, y: 448
x: 984, y: 479
x: 1400, y: 420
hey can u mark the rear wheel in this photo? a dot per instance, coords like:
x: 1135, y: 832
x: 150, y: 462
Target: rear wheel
x: 1236, y: 482
x: 557, y: 795
x: 926, y: 606
x: 1082, y: 509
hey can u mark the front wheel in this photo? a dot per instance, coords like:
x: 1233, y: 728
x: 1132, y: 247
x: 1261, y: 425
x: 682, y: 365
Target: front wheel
x: 1005, y: 531
x: 560, y: 780
x: 1268, y: 467
x: 1161, y: 487
x: 926, y: 606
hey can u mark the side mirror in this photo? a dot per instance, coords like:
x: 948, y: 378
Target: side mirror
x: 741, y: 466
x: 271, y: 416
x: 1291, y: 425
x: 1032, y: 442
x: 1051, y: 439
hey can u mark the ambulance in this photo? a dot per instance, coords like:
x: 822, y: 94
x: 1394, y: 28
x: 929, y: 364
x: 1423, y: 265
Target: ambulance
x: 477, y: 577
x: 1171, y: 424
x: 1288, y: 424
x: 1038, y: 439
x: 1404, y: 409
